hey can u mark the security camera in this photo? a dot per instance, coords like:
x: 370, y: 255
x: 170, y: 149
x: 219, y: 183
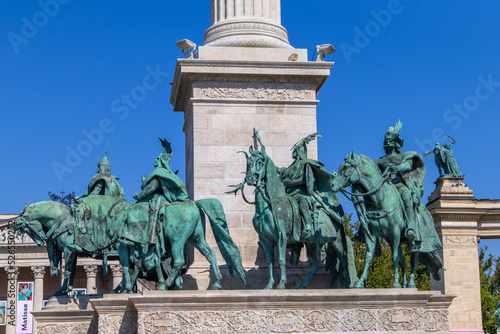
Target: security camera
x: 188, y: 47
x: 323, y: 50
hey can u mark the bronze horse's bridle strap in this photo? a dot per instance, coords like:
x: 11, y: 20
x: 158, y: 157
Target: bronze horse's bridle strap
x: 369, y: 193
x: 55, y: 226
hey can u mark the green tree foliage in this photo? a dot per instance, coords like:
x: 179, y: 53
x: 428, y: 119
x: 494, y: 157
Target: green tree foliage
x: 489, y: 271
x: 380, y: 273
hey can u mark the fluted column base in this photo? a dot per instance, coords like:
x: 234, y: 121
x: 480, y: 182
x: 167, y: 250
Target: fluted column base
x: 247, y: 33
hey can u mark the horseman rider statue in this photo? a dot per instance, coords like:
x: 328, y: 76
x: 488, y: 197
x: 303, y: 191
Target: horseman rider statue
x: 103, y: 183
x: 161, y: 186
x: 406, y: 171
x: 309, y: 184
x: 90, y: 219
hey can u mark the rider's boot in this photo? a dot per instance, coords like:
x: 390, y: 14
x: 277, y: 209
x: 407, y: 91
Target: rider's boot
x: 410, y: 232
x: 307, y: 229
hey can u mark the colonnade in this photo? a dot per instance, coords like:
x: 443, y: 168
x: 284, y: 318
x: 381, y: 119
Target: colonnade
x: 39, y: 272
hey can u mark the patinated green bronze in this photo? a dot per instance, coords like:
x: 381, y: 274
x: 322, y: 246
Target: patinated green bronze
x: 387, y: 198
x: 445, y: 161
x: 164, y: 216
x: 56, y: 225
x: 295, y: 206
x: 148, y: 236
x: 88, y: 228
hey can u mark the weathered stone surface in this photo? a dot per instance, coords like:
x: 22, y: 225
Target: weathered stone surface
x: 255, y: 311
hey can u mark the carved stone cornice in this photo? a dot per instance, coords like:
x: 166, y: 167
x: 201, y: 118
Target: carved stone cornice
x: 38, y: 271
x: 451, y: 188
x: 91, y: 270
x: 248, y: 75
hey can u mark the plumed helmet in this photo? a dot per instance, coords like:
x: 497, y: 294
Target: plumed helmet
x: 394, y: 133
x: 104, y: 160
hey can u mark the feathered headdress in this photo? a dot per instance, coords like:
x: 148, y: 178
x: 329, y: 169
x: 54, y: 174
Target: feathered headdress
x: 394, y: 133
x: 306, y: 140
x: 166, y: 145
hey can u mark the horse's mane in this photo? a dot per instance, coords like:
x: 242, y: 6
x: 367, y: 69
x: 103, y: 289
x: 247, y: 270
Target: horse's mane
x: 273, y: 180
x: 369, y: 161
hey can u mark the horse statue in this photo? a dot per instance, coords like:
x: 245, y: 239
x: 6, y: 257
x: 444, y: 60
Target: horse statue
x: 278, y: 223
x: 179, y: 222
x: 62, y: 229
x: 381, y: 214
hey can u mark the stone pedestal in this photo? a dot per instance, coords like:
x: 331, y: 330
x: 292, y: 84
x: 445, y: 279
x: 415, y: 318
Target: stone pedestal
x: 223, y: 101
x: 261, y: 311
x: 67, y: 315
x: 456, y: 218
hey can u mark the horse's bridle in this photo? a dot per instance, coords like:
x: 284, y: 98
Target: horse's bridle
x: 369, y: 193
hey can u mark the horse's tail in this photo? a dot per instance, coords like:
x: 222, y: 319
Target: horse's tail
x: 230, y: 252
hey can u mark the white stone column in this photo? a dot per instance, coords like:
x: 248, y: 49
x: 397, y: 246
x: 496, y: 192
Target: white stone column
x: 38, y: 273
x: 246, y: 23
x: 91, y: 271
x: 117, y: 272
x: 10, y: 312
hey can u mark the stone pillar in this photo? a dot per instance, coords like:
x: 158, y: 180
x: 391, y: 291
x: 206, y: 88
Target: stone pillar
x: 456, y: 217
x: 246, y: 23
x: 10, y: 312
x: 230, y: 88
x: 117, y: 272
x: 38, y: 273
x: 91, y: 271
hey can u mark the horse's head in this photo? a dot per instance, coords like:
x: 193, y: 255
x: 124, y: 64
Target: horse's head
x: 256, y: 167
x: 348, y: 173
x: 34, y: 228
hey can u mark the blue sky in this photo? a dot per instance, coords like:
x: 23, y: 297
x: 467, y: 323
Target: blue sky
x: 64, y: 76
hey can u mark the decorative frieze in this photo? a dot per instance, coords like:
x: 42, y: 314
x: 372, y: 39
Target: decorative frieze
x: 293, y: 321
x: 457, y: 240
x: 249, y: 91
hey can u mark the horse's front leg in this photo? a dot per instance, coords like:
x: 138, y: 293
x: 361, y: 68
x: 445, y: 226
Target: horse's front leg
x: 269, y: 250
x: 370, y: 250
x: 69, y: 257
x: 124, y: 254
x: 313, y: 264
x: 282, y: 242
x: 402, y: 265
x: 395, y: 249
x: 414, y: 264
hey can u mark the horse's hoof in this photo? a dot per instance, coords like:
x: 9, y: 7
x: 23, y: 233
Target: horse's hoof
x: 359, y: 284
x: 281, y: 286
x: 161, y: 287
x: 216, y: 286
x: 396, y: 285
x: 411, y: 286
x: 269, y: 287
